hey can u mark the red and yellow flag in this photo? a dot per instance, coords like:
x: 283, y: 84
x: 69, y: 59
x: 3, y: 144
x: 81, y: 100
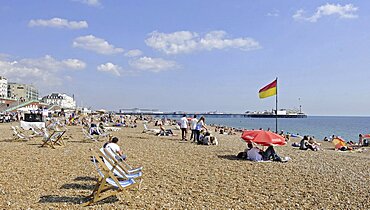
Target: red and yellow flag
x: 268, y: 90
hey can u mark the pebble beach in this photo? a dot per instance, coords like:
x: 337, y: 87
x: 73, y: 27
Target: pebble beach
x: 181, y: 175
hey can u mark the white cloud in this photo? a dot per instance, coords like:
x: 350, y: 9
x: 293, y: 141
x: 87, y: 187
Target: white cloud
x: 111, y: 68
x: 186, y: 42
x: 274, y: 13
x: 94, y: 3
x: 174, y: 43
x: 95, y: 44
x: 58, y: 23
x: 153, y: 64
x: 347, y: 11
x: 217, y: 40
x: 133, y: 53
x: 44, y: 71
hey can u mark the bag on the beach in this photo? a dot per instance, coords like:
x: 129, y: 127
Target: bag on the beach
x: 240, y: 155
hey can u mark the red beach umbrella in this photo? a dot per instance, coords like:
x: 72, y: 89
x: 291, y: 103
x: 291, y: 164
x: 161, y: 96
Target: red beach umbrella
x: 264, y: 138
x: 367, y: 136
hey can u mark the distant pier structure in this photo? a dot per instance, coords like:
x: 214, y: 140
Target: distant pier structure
x: 156, y: 112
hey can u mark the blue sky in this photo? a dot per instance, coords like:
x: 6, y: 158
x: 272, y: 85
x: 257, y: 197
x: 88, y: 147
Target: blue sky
x: 192, y: 55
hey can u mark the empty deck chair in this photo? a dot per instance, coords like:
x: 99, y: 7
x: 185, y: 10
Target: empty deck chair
x: 108, y: 184
x: 18, y: 135
x: 54, y: 139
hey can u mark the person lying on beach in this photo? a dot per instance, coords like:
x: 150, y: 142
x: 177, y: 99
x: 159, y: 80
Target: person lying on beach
x: 344, y: 148
x: 165, y: 132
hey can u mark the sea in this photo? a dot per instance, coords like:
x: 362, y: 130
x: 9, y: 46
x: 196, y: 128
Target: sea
x: 318, y: 126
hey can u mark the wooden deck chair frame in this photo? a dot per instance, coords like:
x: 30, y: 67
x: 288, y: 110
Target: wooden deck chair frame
x: 54, y: 139
x: 107, y: 181
x: 118, y: 168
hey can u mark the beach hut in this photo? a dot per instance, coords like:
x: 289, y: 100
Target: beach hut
x: 32, y: 121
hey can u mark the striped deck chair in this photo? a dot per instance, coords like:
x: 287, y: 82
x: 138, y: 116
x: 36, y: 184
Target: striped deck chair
x: 54, y: 139
x: 118, y: 167
x: 108, y: 184
x: 88, y: 136
x: 119, y: 161
x: 18, y: 135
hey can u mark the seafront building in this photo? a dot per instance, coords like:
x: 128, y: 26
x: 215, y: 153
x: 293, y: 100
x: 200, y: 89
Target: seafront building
x: 20, y: 97
x: 22, y: 92
x: 3, y: 87
x: 60, y: 99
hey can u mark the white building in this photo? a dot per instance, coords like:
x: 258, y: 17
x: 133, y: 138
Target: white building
x: 60, y: 99
x: 3, y: 87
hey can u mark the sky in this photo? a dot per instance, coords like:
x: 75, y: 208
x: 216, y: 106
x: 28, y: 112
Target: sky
x: 194, y: 55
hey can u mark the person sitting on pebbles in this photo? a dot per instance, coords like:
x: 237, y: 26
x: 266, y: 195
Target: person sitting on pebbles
x: 208, y: 139
x: 114, y: 149
x: 305, y: 144
x: 256, y: 154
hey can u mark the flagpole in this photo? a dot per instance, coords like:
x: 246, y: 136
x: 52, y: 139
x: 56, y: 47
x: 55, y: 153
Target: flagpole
x: 276, y: 110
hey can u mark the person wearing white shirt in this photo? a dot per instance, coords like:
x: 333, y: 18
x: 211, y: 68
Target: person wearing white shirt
x: 184, y: 126
x: 114, y: 148
x: 254, y: 154
x: 193, y: 126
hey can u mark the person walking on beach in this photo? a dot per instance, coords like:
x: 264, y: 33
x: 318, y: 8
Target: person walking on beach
x: 200, y: 125
x: 360, y: 139
x: 193, y: 125
x: 184, y: 126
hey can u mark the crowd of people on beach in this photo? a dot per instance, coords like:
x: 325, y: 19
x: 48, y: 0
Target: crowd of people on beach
x: 192, y: 129
x: 200, y: 133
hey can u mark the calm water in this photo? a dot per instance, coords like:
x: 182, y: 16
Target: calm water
x: 346, y: 127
